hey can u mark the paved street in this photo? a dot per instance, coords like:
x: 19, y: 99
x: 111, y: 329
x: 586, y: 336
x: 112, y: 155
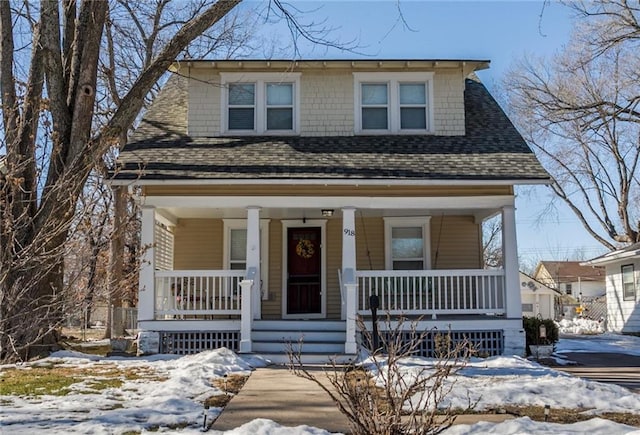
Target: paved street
x: 605, y: 366
x: 614, y: 368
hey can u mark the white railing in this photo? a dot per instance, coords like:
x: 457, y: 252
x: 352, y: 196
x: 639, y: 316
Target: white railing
x: 422, y: 292
x: 181, y: 293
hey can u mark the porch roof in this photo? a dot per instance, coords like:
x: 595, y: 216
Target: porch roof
x: 492, y: 149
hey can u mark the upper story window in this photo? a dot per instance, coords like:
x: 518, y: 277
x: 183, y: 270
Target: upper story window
x: 393, y: 102
x: 260, y: 103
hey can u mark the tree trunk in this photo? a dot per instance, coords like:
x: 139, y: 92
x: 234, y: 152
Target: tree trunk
x: 115, y: 328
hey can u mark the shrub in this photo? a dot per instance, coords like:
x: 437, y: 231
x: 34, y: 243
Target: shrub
x: 381, y: 397
x: 532, y: 327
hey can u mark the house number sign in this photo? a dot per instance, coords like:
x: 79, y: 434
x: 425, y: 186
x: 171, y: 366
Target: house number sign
x: 349, y: 232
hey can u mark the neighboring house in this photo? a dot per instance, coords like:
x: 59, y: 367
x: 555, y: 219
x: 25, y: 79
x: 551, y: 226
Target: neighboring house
x: 278, y: 196
x: 623, y: 279
x: 572, y: 278
x: 537, y: 298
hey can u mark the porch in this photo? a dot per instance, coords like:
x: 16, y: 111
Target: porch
x: 312, y: 277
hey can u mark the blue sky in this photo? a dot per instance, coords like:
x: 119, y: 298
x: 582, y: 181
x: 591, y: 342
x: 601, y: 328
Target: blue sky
x: 500, y: 31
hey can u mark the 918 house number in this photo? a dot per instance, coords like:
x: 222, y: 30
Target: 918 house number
x: 348, y: 232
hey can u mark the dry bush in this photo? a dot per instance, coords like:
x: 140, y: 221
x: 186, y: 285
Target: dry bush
x: 382, y: 396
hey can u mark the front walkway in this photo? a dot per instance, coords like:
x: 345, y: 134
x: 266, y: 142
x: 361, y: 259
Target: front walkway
x: 277, y: 394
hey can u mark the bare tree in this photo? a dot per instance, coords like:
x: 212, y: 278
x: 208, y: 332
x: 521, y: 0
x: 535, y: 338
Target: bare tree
x: 42, y: 185
x: 579, y: 111
x: 492, y: 242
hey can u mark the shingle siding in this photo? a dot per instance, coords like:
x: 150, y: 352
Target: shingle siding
x: 326, y: 104
x: 448, y: 103
x: 204, y: 103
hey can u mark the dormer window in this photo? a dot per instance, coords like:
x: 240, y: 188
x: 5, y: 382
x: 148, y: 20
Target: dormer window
x: 242, y: 106
x: 279, y: 106
x: 393, y: 103
x: 260, y: 103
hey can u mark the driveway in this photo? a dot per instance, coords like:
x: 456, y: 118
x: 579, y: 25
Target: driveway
x: 616, y: 364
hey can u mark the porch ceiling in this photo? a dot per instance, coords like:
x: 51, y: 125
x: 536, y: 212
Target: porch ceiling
x: 314, y: 213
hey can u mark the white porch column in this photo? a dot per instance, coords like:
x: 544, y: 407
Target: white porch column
x: 246, y: 319
x: 510, y: 261
x: 146, y: 287
x: 253, y: 257
x: 349, y: 277
x: 514, y: 338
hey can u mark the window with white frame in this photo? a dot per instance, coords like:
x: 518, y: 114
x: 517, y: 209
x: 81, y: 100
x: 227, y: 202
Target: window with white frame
x: 260, y: 103
x: 242, y: 106
x: 407, y: 243
x: 235, y: 249
x: 393, y: 103
x: 628, y: 283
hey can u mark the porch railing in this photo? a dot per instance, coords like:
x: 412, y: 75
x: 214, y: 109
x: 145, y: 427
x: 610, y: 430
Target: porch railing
x: 187, y: 293
x: 432, y: 292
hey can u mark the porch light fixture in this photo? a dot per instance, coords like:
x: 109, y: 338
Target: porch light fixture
x: 327, y: 213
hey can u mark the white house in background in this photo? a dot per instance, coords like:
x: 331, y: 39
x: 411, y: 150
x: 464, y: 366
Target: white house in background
x: 622, y: 280
x: 537, y: 298
x: 571, y: 278
x: 278, y: 196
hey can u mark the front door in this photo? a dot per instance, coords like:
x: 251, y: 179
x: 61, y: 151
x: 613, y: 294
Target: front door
x: 304, y: 271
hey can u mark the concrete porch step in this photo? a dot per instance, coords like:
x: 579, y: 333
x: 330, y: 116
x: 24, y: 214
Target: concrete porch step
x: 299, y: 325
x: 328, y: 347
x: 295, y: 336
x: 310, y: 358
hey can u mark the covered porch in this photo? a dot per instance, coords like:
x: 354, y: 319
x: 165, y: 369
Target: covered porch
x: 305, y: 260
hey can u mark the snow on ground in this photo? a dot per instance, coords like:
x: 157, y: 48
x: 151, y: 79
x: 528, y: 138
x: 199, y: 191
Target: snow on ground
x: 136, y: 405
x: 595, y: 426
x: 143, y: 405
x: 499, y: 381
x: 580, y: 325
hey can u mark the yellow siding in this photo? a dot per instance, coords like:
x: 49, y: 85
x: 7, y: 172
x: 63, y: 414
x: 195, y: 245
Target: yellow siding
x: 272, y: 308
x: 333, y: 251
x: 455, y: 243
x: 369, y: 243
x: 338, y: 190
x: 198, y: 244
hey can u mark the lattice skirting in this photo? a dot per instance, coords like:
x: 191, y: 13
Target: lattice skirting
x: 486, y: 343
x: 189, y: 342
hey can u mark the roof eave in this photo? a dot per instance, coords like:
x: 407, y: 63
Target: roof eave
x: 327, y: 181
x: 611, y: 258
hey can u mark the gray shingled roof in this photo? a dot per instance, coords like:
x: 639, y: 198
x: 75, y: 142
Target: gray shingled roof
x: 492, y: 149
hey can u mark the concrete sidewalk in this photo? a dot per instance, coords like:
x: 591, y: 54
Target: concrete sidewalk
x: 277, y: 394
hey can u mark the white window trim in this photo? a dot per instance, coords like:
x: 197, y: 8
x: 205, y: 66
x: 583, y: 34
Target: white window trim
x: 241, y: 224
x: 393, y: 81
x: 421, y: 221
x: 260, y: 116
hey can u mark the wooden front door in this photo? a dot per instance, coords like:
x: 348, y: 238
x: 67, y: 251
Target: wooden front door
x: 304, y: 271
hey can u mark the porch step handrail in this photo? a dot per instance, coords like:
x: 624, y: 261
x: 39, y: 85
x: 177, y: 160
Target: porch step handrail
x: 422, y: 292
x: 181, y: 293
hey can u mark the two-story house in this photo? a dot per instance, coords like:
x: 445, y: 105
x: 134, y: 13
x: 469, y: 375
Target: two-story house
x: 278, y: 196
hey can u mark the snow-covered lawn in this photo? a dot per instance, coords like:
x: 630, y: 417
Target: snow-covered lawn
x: 174, y: 398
